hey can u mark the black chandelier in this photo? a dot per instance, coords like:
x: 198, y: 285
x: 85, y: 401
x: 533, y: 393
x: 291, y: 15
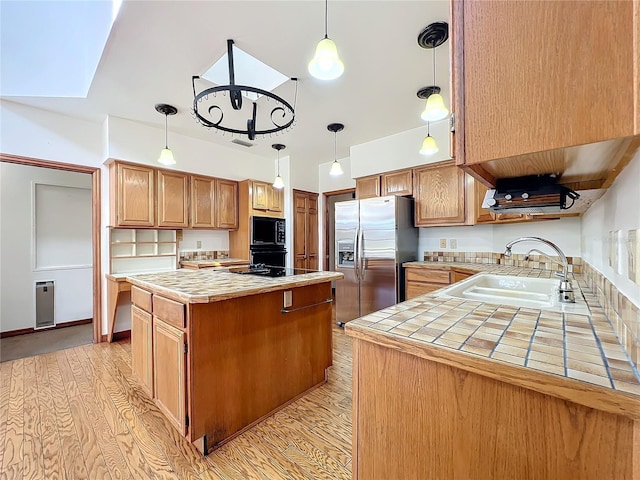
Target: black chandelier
x: 208, y: 109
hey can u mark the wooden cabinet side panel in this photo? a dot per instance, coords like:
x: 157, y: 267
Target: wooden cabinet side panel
x: 173, y: 199
x: 226, y: 205
x: 169, y: 374
x: 441, y: 195
x: 421, y: 419
x: 569, y: 79
x: 202, y: 209
x: 135, y: 195
x: 141, y: 347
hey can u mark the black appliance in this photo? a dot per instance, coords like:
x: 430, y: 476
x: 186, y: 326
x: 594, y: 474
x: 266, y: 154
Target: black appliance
x: 263, y: 270
x: 276, y: 257
x: 267, y: 232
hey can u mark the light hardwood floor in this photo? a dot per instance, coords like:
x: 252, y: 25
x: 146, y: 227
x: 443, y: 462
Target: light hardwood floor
x: 78, y: 414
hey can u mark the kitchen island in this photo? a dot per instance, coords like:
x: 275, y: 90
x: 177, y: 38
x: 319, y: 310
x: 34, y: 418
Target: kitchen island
x: 219, y: 351
x: 462, y: 389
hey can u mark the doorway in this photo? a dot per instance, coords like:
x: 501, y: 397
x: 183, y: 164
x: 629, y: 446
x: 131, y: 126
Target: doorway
x: 330, y: 199
x: 60, y: 281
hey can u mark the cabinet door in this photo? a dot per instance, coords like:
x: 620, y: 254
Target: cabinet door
x: 141, y: 347
x: 134, y: 196
x: 169, y: 375
x: 571, y: 89
x: 203, y: 210
x: 312, y: 232
x: 172, y: 199
x: 397, y: 183
x: 367, y: 187
x: 260, y: 195
x: 440, y: 197
x: 226, y: 206
x: 276, y: 203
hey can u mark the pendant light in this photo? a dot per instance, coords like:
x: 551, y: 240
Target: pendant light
x: 431, y: 37
x: 429, y: 145
x: 336, y: 168
x: 278, y: 183
x: 166, y: 155
x: 326, y: 65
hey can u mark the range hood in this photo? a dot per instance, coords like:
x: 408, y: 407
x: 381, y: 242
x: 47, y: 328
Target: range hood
x: 530, y: 195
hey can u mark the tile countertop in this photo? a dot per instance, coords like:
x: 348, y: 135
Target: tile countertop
x: 571, y: 356
x: 210, y: 285
x: 220, y: 262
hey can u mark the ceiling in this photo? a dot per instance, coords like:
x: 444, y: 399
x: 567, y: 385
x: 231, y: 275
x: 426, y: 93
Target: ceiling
x: 156, y: 46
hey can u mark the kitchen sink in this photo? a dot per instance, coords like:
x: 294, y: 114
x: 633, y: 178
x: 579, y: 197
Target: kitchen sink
x: 539, y: 293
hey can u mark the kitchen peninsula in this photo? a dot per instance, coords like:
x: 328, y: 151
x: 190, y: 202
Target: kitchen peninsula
x: 212, y: 348
x: 452, y: 388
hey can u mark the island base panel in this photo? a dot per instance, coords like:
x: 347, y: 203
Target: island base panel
x: 250, y: 359
x: 414, y: 418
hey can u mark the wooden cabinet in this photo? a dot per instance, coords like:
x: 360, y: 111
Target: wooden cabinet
x: 305, y: 230
x: 424, y: 279
x: 439, y: 195
x: 367, y: 187
x: 276, y: 201
x: 397, y: 183
x: 173, y: 199
x: 203, y: 210
x: 510, y: 99
x: 265, y: 197
x: 169, y: 379
x: 132, y: 195
x: 226, y: 204
x: 142, y: 347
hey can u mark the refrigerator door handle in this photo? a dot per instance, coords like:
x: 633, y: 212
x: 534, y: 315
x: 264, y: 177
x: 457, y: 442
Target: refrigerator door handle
x: 361, y: 260
x: 356, y: 266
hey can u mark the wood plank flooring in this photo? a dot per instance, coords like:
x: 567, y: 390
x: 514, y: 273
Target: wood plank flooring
x: 79, y: 414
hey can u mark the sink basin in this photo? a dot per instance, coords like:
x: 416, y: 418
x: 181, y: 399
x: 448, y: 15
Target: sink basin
x: 528, y: 292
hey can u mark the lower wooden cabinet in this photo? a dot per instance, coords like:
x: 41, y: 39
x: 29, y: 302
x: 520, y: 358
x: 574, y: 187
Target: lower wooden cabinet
x: 169, y: 376
x: 425, y: 279
x: 141, y: 347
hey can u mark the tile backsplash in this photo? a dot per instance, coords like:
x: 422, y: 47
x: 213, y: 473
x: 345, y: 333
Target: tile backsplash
x: 516, y: 260
x: 203, y: 254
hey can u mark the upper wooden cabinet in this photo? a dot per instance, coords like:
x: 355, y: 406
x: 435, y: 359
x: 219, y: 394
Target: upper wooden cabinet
x: 173, y: 199
x: 397, y: 183
x: 266, y: 198
x: 367, y: 187
x: 203, y: 210
x: 226, y: 204
x: 529, y: 81
x: 132, y: 195
x: 439, y: 195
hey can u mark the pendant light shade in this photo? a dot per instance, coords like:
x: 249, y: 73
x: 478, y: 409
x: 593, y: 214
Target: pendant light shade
x: 336, y: 168
x: 326, y: 64
x: 166, y: 155
x: 429, y: 146
x: 278, y: 183
x: 434, y: 109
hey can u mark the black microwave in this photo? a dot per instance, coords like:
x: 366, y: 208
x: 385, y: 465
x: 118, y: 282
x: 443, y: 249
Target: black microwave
x: 267, y: 231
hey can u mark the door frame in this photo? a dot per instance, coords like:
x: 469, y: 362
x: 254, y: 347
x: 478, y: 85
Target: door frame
x: 326, y: 226
x: 95, y: 225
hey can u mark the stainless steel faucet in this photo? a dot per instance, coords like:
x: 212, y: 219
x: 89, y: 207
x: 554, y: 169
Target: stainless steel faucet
x: 565, y: 292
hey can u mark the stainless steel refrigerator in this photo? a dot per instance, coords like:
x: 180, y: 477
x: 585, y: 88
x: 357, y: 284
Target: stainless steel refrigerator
x: 374, y: 236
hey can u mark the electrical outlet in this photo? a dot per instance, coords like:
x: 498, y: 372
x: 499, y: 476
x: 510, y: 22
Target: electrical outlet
x: 288, y: 299
x: 198, y: 244
x: 443, y: 243
x: 453, y: 244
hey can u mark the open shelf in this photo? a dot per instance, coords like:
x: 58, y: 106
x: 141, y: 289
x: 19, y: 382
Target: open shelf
x: 131, y: 248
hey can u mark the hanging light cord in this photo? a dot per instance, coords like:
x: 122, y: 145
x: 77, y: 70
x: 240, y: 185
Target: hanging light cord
x: 166, y: 144
x: 326, y: 7
x: 278, y: 165
x: 335, y: 148
x: 434, y: 66
x: 428, y: 129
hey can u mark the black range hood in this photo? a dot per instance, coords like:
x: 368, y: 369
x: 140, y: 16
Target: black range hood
x: 530, y: 195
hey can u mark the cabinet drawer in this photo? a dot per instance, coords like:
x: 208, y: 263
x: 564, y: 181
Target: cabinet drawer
x: 427, y: 275
x: 169, y: 311
x: 141, y: 298
x: 415, y: 289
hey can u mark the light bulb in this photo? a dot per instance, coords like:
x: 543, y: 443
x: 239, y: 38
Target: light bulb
x: 434, y: 109
x: 326, y: 65
x: 166, y: 157
x: 429, y: 146
x: 278, y: 183
x: 336, y: 169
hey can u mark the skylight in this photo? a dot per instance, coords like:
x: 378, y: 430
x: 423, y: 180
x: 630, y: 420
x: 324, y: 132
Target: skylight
x: 248, y: 71
x: 52, y: 48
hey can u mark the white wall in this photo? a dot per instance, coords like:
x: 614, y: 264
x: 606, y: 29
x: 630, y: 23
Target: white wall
x: 399, y: 151
x: 492, y: 238
x: 617, y: 209
x: 211, y: 240
x: 73, y: 286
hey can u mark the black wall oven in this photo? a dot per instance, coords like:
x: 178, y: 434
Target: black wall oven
x: 272, y: 258
x: 267, y: 232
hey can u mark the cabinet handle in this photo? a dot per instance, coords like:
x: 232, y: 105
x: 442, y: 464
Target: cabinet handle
x: 289, y: 310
